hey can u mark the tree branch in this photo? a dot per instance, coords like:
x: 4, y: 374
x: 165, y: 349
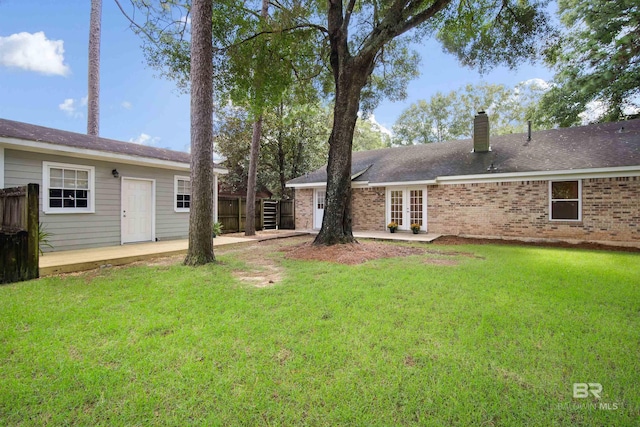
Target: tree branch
x: 135, y: 24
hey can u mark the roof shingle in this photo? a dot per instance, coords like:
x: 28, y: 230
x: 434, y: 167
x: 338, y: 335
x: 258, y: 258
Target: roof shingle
x: 26, y: 131
x: 594, y: 146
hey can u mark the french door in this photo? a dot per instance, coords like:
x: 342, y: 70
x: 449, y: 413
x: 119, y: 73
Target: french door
x: 406, y: 206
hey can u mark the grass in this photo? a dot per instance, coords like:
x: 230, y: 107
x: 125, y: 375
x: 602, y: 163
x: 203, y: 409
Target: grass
x: 498, y: 339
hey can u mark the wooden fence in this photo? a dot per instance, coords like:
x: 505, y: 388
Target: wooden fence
x: 19, y: 233
x: 270, y: 214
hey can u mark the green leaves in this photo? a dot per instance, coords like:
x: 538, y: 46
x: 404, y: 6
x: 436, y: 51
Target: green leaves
x: 450, y: 116
x: 486, y: 33
x: 597, y: 63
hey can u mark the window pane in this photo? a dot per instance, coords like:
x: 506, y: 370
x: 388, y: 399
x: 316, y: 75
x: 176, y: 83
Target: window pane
x: 69, y: 178
x: 564, y: 190
x: 55, y: 173
x: 69, y: 188
x: 564, y: 210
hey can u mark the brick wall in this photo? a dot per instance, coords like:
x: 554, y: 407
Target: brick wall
x: 304, y: 209
x: 368, y: 209
x: 610, y: 210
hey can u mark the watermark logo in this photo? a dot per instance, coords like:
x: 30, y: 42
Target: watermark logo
x: 583, y: 390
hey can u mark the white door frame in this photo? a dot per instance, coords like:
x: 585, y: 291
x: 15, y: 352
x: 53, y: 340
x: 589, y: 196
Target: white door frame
x: 315, y: 206
x: 406, y: 194
x: 153, y: 206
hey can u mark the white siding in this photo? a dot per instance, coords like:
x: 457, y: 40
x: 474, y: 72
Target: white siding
x: 102, y: 228
x: 1, y: 167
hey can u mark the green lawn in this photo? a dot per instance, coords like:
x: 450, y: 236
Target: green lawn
x: 498, y: 339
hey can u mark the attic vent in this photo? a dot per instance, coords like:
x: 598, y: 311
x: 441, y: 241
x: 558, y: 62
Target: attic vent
x: 481, y: 133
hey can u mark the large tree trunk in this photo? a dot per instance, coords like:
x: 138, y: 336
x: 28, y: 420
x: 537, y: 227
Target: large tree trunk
x: 201, y: 216
x: 93, y: 100
x: 350, y: 78
x: 250, y: 223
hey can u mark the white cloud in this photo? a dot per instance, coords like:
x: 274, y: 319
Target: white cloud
x: 84, y: 101
x: 69, y: 107
x: 378, y: 126
x: 144, y: 139
x: 126, y: 105
x: 537, y: 82
x: 33, y: 52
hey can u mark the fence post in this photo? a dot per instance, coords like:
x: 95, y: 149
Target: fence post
x: 33, y: 216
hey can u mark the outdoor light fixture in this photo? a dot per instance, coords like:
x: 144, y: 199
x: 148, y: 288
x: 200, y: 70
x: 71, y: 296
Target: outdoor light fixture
x: 115, y: 173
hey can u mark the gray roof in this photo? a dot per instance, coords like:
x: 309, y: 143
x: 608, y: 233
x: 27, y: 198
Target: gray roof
x: 25, y: 131
x: 594, y: 146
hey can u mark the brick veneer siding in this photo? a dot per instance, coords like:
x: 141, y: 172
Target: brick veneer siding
x: 368, y: 209
x: 610, y: 210
x: 304, y: 208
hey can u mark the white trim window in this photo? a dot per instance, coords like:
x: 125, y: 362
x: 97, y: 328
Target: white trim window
x: 565, y: 200
x: 182, y: 193
x: 68, y: 188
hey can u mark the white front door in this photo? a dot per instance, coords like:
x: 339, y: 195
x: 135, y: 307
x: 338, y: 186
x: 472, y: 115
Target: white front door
x: 318, y: 208
x: 137, y: 210
x: 406, y: 206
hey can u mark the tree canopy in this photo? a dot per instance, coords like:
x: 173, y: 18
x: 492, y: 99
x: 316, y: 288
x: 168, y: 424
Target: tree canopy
x: 365, y: 45
x: 597, y: 62
x: 450, y: 116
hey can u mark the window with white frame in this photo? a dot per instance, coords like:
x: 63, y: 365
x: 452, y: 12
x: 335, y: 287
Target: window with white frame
x: 182, y: 194
x: 565, y: 200
x: 68, y: 188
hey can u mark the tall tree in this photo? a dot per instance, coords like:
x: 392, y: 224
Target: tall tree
x: 93, y: 101
x: 364, y: 37
x: 481, y: 33
x: 597, y: 63
x: 200, y: 218
x: 250, y: 223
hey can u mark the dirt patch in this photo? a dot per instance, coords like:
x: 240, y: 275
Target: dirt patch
x: 454, y: 240
x: 350, y: 253
x: 261, y: 270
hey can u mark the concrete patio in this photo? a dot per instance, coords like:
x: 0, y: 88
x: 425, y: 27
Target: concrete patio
x: 87, y: 259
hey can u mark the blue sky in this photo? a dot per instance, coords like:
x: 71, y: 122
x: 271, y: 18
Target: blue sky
x: 41, y: 84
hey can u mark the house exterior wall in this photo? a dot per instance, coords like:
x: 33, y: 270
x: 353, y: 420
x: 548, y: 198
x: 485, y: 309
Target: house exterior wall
x: 102, y: 228
x: 304, y: 208
x: 610, y: 210
x: 368, y: 209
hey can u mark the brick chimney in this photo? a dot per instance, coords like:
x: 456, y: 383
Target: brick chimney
x: 481, y: 133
